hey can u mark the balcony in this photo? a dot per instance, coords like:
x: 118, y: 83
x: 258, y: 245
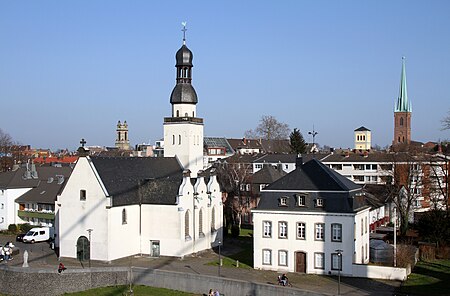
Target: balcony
x: 39, y: 215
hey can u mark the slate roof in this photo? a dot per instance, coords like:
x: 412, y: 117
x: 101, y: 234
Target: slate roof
x: 267, y: 175
x: 362, y: 129
x: 16, y: 179
x: 288, y: 158
x: 218, y: 142
x: 315, y: 180
x: 135, y: 180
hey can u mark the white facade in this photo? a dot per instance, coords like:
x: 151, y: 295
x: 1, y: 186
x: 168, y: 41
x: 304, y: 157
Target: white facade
x: 185, y: 140
x: 280, y: 252
x: 9, y: 208
x: 286, y: 166
x: 362, y: 172
x: 363, y: 139
x: 146, y: 229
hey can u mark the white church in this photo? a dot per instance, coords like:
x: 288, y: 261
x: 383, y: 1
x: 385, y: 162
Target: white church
x: 113, y: 207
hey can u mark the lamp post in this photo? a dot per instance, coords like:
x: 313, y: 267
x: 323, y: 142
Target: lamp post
x: 339, y: 254
x: 220, y: 259
x: 395, y: 237
x: 89, y: 231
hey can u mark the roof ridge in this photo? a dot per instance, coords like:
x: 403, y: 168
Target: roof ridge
x: 332, y: 174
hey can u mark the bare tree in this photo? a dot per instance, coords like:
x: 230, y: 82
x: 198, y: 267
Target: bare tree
x: 231, y: 176
x: 269, y: 128
x: 407, y: 184
x: 6, y: 143
x: 439, y: 182
x: 446, y: 122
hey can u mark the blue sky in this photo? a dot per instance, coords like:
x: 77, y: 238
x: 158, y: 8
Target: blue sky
x: 72, y: 69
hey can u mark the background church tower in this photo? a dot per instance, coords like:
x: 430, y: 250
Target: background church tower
x: 402, y: 113
x: 183, y: 131
x: 122, y: 141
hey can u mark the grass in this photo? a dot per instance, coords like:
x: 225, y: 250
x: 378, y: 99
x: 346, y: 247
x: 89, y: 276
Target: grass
x: 137, y: 291
x: 245, y: 256
x: 428, y: 278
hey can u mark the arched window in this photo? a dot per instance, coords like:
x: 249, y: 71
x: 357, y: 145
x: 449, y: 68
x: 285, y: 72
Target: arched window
x: 401, y: 121
x: 193, y: 114
x: 364, y: 137
x: 173, y: 139
x: 200, y: 223
x: 126, y: 136
x: 178, y: 113
x: 186, y: 226
x: 124, y: 216
x: 213, y: 219
x: 403, y: 139
x: 179, y: 139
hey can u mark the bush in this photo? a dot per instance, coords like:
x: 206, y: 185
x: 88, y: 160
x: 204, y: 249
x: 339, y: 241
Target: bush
x: 25, y: 227
x: 235, y: 231
x: 12, y: 228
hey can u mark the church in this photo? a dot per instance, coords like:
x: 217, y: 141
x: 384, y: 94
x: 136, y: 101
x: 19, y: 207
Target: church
x: 114, y: 207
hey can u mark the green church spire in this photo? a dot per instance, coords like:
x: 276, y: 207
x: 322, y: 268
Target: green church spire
x: 403, y: 105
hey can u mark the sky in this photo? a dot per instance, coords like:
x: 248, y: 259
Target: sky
x: 72, y: 69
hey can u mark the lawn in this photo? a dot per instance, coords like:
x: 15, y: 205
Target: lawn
x: 137, y: 291
x: 245, y: 256
x: 428, y: 278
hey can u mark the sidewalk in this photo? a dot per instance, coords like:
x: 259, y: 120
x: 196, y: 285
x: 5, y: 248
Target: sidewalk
x: 41, y: 256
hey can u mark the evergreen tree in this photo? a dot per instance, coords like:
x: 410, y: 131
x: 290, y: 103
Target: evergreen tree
x: 297, y: 143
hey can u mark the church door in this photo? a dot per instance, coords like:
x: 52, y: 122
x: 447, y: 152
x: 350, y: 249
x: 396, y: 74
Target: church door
x: 300, y: 262
x: 83, y: 248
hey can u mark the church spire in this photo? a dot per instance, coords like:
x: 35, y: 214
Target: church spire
x: 403, y: 105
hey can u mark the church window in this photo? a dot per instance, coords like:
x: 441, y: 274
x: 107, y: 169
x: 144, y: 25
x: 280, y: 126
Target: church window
x: 193, y: 114
x: 82, y: 194
x: 399, y: 139
x: 173, y: 140
x: 126, y: 136
x: 178, y: 113
x: 186, y: 226
x: 364, y: 137
x: 213, y: 220
x: 186, y: 114
x: 403, y: 139
x: 200, y: 223
x: 179, y: 139
x: 124, y: 216
x: 401, y: 121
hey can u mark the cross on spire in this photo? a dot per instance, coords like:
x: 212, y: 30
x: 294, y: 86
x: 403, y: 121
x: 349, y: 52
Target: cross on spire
x: 184, y: 31
x: 82, y: 142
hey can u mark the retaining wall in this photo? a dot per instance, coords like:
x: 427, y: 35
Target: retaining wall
x: 380, y: 272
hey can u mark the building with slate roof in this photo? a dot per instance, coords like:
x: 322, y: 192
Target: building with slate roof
x: 28, y: 194
x: 305, y: 216
x: 114, y: 207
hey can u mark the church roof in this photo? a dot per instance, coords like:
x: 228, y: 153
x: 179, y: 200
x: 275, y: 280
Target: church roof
x: 403, y: 104
x: 183, y: 93
x: 140, y: 180
x: 184, y: 56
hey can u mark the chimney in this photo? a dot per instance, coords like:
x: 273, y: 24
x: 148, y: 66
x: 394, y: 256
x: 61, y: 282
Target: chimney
x: 280, y: 167
x: 298, y: 161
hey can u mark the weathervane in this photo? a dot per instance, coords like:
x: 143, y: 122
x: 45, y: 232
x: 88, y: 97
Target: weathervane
x: 184, y: 31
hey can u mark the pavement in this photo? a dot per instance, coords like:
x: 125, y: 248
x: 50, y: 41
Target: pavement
x: 41, y: 256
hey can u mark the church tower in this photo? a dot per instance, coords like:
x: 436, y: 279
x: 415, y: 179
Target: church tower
x: 183, y: 131
x: 402, y: 113
x: 122, y: 141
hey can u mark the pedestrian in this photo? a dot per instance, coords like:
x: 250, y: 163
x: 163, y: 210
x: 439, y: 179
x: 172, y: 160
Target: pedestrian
x: 61, y: 267
x: 211, y: 292
x: 217, y: 293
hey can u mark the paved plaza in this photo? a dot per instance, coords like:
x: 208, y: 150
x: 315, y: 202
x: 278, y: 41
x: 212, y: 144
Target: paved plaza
x: 41, y: 256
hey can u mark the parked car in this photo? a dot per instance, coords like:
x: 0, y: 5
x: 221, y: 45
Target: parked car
x: 19, y: 237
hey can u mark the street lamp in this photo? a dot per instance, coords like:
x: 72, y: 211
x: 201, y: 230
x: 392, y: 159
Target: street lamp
x: 395, y: 237
x: 89, y: 231
x: 220, y: 260
x: 339, y: 254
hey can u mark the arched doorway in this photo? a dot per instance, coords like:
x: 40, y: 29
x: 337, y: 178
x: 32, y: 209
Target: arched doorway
x: 83, y: 249
x: 300, y: 262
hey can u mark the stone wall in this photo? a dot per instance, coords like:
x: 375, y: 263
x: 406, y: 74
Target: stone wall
x: 34, y: 281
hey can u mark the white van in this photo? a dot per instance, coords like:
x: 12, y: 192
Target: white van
x: 38, y: 234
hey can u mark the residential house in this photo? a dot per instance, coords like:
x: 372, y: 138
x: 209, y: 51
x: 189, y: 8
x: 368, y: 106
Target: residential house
x: 313, y: 220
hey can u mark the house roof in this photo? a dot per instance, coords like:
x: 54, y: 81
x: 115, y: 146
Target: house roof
x: 135, y: 180
x: 362, y: 129
x: 313, y: 176
x: 267, y: 175
x: 316, y: 181
x: 218, y: 142
x: 18, y: 178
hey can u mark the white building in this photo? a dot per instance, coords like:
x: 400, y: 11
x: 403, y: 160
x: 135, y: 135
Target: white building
x: 363, y: 138
x: 116, y: 207
x: 305, y: 217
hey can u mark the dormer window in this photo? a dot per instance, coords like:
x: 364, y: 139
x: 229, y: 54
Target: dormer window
x: 301, y: 200
x: 283, y: 201
x: 319, y: 202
